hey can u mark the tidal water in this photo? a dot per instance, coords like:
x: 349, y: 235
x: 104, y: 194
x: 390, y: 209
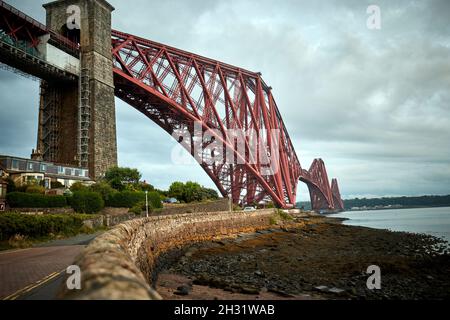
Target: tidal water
x: 433, y: 221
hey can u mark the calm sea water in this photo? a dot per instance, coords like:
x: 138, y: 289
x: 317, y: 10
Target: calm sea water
x: 433, y: 221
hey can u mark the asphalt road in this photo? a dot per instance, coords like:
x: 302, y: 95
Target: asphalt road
x: 36, y: 273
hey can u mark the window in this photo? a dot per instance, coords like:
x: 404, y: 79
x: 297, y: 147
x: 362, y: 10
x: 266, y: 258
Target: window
x: 22, y: 165
x: 52, y: 169
x: 30, y: 166
x: 15, y: 165
x: 2, y: 190
x: 68, y: 172
x: 43, y: 167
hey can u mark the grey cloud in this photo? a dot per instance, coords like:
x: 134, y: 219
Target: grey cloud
x: 374, y: 104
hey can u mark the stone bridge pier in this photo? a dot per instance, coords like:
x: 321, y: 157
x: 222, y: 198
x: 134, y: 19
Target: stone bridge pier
x: 77, y: 122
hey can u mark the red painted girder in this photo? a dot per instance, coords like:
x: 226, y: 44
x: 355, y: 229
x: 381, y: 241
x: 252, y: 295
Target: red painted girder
x: 220, y: 80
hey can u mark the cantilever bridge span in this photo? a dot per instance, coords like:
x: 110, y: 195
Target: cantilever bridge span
x: 176, y: 90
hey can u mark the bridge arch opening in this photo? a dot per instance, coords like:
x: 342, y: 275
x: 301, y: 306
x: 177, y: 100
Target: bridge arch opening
x: 302, y: 195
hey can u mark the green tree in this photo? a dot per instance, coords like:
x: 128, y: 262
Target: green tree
x: 192, y: 192
x: 119, y: 177
x: 163, y: 193
x: 208, y: 193
x: 176, y: 190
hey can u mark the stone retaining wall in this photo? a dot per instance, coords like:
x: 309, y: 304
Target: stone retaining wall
x: 212, y: 206
x: 108, y: 220
x: 119, y: 263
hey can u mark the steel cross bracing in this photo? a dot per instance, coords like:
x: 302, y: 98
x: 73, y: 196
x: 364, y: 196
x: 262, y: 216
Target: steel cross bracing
x: 20, y: 37
x: 177, y: 89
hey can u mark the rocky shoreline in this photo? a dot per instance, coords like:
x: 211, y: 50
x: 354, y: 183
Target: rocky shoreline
x: 308, y: 258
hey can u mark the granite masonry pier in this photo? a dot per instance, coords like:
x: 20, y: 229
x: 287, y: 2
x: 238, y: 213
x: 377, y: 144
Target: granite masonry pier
x: 120, y: 263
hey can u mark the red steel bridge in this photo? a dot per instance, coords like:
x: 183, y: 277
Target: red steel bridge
x: 177, y: 89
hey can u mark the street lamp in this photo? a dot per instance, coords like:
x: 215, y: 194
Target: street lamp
x: 146, y: 203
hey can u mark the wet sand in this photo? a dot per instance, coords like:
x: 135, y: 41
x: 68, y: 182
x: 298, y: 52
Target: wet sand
x: 312, y: 258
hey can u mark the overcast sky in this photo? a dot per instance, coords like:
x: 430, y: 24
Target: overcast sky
x: 374, y: 104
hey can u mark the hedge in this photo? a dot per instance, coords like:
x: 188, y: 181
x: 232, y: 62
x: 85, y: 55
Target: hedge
x: 129, y: 199
x: 125, y: 199
x: 35, y: 226
x: 86, y: 202
x: 30, y: 200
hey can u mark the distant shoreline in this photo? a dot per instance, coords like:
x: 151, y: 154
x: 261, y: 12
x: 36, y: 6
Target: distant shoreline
x: 382, y: 203
x: 396, y: 208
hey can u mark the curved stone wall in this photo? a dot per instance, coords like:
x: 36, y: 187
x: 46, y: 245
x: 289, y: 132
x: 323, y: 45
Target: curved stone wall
x: 119, y: 263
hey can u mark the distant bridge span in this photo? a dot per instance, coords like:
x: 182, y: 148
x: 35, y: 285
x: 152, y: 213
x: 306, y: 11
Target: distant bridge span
x: 177, y: 89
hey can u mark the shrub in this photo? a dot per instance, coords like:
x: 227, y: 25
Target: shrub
x: 30, y: 200
x: 270, y: 205
x: 273, y: 220
x: 56, y: 185
x: 87, y: 202
x: 132, y: 187
x: 22, y: 188
x: 11, y: 187
x: 237, y: 207
x: 35, y: 189
x: 35, y: 226
x: 117, y: 184
x: 104, y: 189
x: 154, y: 203
x: 19, y: 241
x: 138, y: 208
x: 284, y: 215
x: 78, y: 186
x: 125, y: 199
x: 154, y: 200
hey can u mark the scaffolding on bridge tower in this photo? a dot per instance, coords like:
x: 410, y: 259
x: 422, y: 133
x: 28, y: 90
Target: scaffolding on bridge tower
x: 84, y: 119
x: 49, y: 109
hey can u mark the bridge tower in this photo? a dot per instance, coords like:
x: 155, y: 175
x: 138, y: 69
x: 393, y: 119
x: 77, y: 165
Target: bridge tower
x: 77, y: 122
